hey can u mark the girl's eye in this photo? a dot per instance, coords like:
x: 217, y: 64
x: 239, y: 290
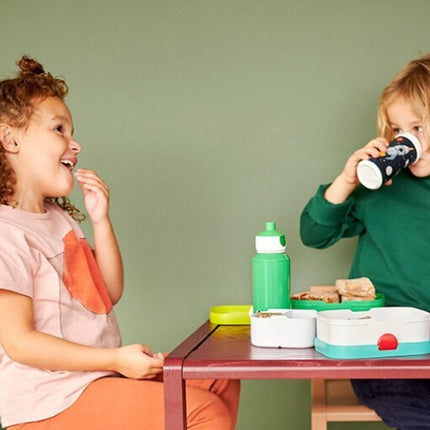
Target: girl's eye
x: 397, y: 130
x: 59, y: 128
x: 418, y: 129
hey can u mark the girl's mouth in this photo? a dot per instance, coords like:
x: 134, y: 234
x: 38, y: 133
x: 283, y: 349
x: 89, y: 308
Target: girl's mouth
x: 68, y: 163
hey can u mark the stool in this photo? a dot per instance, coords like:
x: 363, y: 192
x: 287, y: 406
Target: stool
x: 335, y: 400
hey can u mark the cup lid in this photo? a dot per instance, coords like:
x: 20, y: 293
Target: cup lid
x: 369, y: 175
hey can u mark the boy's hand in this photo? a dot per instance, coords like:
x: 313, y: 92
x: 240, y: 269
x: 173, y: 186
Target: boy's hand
x: 373, y: 149
x: 138, y: 362
x: 342, y: 187
x: 96, y: 194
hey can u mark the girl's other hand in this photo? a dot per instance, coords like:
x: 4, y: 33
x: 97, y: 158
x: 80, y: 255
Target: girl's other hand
x: 96, y: 194
x: 138, y: 362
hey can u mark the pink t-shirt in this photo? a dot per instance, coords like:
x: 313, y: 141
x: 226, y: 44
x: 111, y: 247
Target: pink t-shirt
x: 46, y: 257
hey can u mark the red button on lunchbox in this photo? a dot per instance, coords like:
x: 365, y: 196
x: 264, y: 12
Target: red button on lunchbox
x: 387, y: 341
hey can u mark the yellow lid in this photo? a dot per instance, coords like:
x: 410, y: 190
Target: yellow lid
x: 230, y: 315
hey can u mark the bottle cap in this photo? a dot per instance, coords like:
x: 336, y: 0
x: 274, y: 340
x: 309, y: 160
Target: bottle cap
x: 270, y: 240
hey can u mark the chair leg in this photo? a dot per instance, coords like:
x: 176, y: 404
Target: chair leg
x: 318, y: 402
x: 319, y: 422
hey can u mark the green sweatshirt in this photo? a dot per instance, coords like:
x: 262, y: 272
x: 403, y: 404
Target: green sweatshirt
x: 393, y: 225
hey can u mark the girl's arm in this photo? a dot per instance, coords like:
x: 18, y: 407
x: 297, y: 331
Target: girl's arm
x: 106, y: 248
x: 24, y: 344
x: 343, y: 186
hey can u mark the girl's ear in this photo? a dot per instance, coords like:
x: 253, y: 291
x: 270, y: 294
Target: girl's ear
x: 7, y: 139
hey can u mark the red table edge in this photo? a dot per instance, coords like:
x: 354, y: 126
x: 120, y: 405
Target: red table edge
x: 298, y: 369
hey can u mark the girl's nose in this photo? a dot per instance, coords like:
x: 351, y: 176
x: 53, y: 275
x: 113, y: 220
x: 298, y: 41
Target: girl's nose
x: 75, y: 146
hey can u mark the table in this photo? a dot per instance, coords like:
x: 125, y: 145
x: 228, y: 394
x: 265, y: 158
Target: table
x: 222, y: 351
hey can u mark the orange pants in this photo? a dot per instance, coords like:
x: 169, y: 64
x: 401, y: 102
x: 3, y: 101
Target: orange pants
x: 121, y: 403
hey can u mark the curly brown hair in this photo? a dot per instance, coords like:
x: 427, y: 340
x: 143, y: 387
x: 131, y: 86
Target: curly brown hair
x: 18, y: 98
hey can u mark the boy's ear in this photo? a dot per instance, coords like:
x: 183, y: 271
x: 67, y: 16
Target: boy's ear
x: 7, y: 139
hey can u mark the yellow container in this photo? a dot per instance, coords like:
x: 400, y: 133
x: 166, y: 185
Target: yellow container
x: 230, y: 315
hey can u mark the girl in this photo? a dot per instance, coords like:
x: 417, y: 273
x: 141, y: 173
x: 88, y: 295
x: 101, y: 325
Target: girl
x: 392, y: 226
x: 61, y: 361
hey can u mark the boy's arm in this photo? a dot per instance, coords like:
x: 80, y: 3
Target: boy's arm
x: 323, y: 223
x: 329, y: 216
x: 340, y: 190
x: 23, y: 344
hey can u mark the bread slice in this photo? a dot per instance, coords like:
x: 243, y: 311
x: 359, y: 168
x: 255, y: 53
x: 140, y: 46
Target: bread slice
x: 323, y: 288
x: 359, y: 288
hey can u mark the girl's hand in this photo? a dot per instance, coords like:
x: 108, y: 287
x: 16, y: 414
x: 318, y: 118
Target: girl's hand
x: 372, y: 150
x: 96, y: 194
x: 138, y: 362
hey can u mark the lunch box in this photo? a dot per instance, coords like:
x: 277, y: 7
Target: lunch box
x: 378, y: 332
x: 283, y: 328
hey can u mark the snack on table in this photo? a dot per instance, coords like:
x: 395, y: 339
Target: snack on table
x: 343, y: 290
x: 328, y: 297
x: 356, y: 289
x: 356, y: 298
x: 323, y: 288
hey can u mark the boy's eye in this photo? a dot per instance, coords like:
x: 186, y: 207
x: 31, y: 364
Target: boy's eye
x: 418, y: 128
x: 59, y: 128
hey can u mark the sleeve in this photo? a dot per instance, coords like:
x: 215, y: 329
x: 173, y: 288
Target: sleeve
x: 322, y: 223
x: 17, y: 262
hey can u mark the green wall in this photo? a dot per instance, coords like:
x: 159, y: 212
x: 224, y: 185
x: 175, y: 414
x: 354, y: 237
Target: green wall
x: 208, y: 118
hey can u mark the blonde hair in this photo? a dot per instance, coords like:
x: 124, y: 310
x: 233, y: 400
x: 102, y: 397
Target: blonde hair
x: 412, y: 83
x: 18, y: 98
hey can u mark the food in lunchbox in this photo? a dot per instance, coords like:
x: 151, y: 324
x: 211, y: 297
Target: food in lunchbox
x: 343, y: 290
x: 328, y: 297
x: 356, y: 289
x: 267, y: 314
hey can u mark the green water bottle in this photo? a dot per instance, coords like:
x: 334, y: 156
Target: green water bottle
x: 270, y: 271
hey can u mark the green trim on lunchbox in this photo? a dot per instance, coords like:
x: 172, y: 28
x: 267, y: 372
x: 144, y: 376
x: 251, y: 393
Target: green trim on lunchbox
x: 230, y: 315
x: 354, y: 305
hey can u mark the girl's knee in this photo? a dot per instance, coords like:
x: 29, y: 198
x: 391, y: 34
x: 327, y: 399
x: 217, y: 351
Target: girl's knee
x: 207, y: 411
x: 219, y: 416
